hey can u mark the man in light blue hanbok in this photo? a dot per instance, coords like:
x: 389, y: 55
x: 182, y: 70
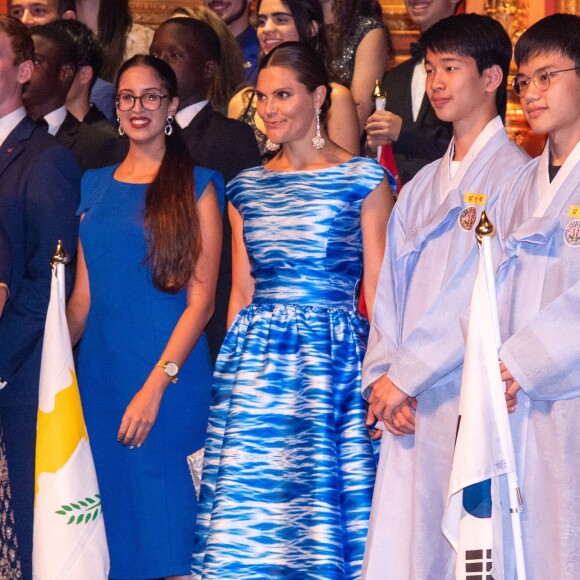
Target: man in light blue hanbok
x: 412, y: 369
x: 539, y: 302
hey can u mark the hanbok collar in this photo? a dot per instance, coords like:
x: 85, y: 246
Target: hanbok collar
x: 548, y: 189
x: 448, y: 183
x: 446, y: 212
x: 548, y: 216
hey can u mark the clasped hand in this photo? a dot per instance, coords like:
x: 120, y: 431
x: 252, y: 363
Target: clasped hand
x: 389, y: 404
x: 512, y: 388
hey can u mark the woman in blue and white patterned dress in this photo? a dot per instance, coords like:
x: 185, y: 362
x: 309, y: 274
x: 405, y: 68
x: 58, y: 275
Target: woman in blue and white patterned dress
x: 289, y: 468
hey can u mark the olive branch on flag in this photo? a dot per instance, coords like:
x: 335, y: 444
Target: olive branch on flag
x: 91, y: 508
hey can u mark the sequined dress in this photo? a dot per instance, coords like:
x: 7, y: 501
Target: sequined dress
x: 9, y: 563
x: 342, y: 68
x: 289, y: 468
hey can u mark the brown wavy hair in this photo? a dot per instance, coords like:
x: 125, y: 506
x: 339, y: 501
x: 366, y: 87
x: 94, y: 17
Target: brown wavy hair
x: 19, y: 37
x: 171, y: 218
x: 114, y: 24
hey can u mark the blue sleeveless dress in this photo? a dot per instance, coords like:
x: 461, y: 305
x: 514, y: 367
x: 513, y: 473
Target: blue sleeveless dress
x: 148, y: 499
x: 289, y: 469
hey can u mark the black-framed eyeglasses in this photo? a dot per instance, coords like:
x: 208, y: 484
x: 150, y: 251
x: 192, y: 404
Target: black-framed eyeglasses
x: 520, y: 83
x: 149, y: 101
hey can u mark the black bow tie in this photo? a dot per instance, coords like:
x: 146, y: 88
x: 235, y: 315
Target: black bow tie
x: 415, y: 50
x: 42, y: 124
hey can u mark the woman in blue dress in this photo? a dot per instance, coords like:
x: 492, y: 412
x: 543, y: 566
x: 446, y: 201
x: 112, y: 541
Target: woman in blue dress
x: 289, y: 468
x: 146, y: 276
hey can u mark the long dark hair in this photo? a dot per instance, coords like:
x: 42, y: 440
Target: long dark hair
x: 304, y: 12
x: 114, y: 22
x: 171, y: 219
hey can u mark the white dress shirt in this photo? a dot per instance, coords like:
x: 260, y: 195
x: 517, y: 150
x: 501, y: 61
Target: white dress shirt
x: 186, y: 115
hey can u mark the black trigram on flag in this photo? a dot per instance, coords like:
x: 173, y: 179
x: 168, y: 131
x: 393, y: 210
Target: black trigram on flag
x: 478, y: 564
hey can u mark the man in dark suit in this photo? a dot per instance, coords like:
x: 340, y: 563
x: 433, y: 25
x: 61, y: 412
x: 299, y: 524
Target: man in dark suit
x: 192, y: 49
x: 38, y: 12
x: 44, y: 96
x: 409, y: 123
x: 39, y: 195
x: 90, y: 62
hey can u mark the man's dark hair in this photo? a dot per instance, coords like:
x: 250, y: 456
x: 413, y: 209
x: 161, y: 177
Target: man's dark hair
x: 87, y: 46
x: 65, y: 6
x: 20, y: 38
x: 555, y: 33
x: 61, y: 39
x: 479, y: 37
x: 207, y: 36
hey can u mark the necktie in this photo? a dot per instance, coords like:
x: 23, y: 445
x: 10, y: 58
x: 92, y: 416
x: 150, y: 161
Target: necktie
x: 42, y: 124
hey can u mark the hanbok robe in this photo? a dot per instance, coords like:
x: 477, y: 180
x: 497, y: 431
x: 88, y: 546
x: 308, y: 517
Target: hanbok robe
x: 416, y: 337
x: 539, y: 307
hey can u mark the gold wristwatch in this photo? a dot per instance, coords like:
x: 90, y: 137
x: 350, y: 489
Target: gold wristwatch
x: 170, y: 369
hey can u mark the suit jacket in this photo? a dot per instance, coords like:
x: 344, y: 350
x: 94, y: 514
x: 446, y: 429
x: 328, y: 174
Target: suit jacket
x: 92, y: 147
x: 228, y: 146
x: 5, y: 258
x: 422, y: 141
x: 96, y: 118
x: 39, y: 195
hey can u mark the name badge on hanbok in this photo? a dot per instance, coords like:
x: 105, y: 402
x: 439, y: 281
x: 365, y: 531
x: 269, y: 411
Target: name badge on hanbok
x: 467, y: 218
x: 572, y: 234
x: 475, y: 198
x: 574, y: 211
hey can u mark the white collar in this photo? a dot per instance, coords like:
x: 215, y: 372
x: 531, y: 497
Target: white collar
x: 55, y: 119
x: 448, y: 183
x: 547, y: 188
x: 186, y: 115
x: 9, y: 122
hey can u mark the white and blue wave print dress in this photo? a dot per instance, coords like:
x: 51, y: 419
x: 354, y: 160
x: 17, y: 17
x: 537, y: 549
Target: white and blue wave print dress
x: 289, y: 468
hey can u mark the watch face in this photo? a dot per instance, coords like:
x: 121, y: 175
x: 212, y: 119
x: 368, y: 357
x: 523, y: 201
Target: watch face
x: 171, y: 369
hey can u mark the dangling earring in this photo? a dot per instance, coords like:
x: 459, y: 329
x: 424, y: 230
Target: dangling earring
x: 318, y: 141
x: 271, y: 146
x: 119, y: 128
x: 169, y: 126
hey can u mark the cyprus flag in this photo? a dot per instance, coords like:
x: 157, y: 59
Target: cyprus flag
x: 69, y: 532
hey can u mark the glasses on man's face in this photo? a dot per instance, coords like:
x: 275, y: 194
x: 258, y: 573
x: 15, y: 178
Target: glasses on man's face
x: 149, y: 101
x: 520, y: 83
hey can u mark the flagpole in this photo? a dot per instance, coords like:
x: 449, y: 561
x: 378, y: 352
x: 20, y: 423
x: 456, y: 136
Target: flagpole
x: 69, y: 539
x: 380, y: 98
x: 484, y: 232
x: 59, y: 260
